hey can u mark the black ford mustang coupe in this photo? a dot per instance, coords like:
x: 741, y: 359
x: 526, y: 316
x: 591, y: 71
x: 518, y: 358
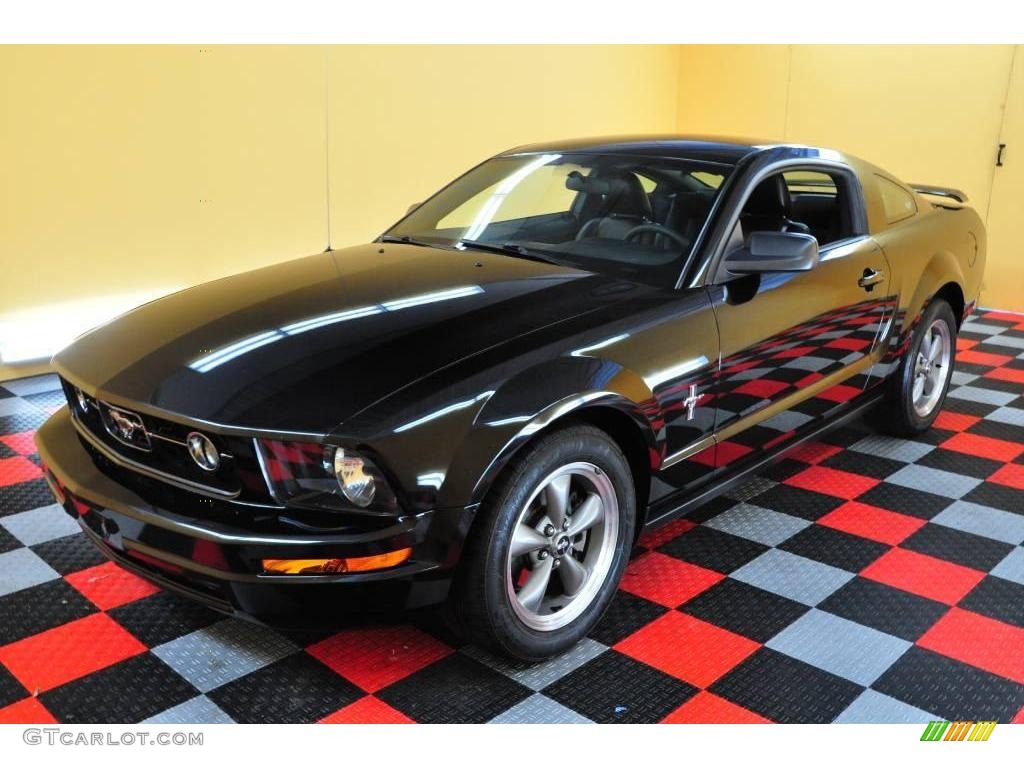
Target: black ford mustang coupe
x: 567, y: 345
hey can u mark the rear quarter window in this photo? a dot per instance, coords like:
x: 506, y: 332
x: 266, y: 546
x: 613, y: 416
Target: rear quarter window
x: 898, y: 203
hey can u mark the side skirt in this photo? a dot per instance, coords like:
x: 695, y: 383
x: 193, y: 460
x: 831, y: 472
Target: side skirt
x: 657, y: 516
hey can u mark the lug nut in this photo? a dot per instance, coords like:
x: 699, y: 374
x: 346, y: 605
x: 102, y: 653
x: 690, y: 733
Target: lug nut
x: 542, y: 555
x: 565, y: 525
x: 549, y: 530
x: 557, y: 563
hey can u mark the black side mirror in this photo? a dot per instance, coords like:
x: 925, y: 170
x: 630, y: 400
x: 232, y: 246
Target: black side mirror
x: 774, y: 252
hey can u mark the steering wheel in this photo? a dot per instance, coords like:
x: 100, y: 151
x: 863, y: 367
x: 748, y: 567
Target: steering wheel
x: 658, y: 229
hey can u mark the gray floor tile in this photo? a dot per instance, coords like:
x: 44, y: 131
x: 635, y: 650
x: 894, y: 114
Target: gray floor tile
x: 839, y: 646
x: 33, y: 385
x: 874, y: 707
x: 798, y: 578
x: 978, y: 327
x: 983, y: 521
x: 21, y: 569
x: 538, y: 676
x: 758, y: 524
x: 192, y: 712
x: 892, y: 448
x: 540, y: 709
x: 210, y: 657
x: 35, y: 526
x: 1008, y: 415
x: 979, y: 395
x: 937, y: 481
x: 1011, y: 567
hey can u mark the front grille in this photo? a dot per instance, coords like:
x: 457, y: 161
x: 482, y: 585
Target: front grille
x: 159, y: 447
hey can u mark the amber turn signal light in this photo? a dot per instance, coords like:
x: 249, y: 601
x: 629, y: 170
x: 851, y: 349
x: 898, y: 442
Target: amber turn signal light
x: 338, y: 564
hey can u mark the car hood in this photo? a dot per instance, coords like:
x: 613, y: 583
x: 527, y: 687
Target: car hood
x: 302, y: 346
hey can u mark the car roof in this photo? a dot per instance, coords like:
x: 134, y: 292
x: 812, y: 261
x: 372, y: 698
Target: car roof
x: 717, y: 149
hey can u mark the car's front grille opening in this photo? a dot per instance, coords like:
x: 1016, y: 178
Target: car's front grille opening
x: 159, y: 448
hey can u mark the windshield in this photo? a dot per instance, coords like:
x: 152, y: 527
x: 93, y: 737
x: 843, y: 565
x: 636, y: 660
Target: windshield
x: 627, y: 215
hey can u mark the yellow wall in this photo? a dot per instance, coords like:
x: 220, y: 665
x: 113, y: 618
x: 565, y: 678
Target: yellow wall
x: 128, y: 172
x: 929, y: 114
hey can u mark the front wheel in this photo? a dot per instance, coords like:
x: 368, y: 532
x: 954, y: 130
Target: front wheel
x: 918, y: 389
x: 550, y: 546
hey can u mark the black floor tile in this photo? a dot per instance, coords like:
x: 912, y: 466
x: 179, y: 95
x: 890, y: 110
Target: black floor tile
x: 295, y: 689
x: 614, y: 688
x: 713, y: 549
x: 863, y: 464
x: 957, y: 547
x: 744, y: 609
x: 784, y: 469
x: 999, y: 496
x: 69, y: 554
x: 10, y: 689
x: 908, y: 501
x: 625, y: 615
x: 960, y: 463
x: 884, y: 608
x: 37, y: 609
x: 836, y: 548
x: 998, y: 599
x: 786, y: 690
x: 797, y: 501
x: 950, y: 689
x: 128, y: 692
x: 7, y: 541
x: 162, y: 617
x: 456, y: 689
x: 30, y: 494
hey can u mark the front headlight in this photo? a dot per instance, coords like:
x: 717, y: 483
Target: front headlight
x: 356, y: 477
x: 325, y: 477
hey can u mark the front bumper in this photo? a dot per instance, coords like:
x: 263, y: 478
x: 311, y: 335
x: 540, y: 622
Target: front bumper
x: 218, y: 561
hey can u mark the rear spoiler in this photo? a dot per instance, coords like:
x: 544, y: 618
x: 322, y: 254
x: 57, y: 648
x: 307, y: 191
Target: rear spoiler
x: 926, y: 189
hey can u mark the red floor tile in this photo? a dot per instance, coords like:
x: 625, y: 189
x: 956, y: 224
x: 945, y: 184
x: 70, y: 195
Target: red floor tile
x: 814, y: 453
x: 375, y: 657
x: 368, y: 709
x: 986, y: 447
x: 1006, y: 317
x: 834, y: 482
x: 67, y: 652
x: 707, y: 708
x: 965, y: 343
x: 666, y: 533
x: 1018, y: 719
x: 955, y: 422
x: 871, y: 522
x: 793, y: 352
x: 26, y: 712
x: 1009, y: 474
x: 979, y: 641
x: 20, y: 442
x: 108, y: 585
x: 923, y: 575
x: 687, y: 648
x: 982, y: 358
x: 1015, y: 375
x: 761, y: 388
x: 18, y: 469
x: 665, y: 580
x: 840, y: 393
x: 849, y: 342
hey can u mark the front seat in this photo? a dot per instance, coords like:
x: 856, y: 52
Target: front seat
x: 767, y: 209
x: 611, y: 204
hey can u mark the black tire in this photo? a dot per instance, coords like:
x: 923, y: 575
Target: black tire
x: 480, y: 604
x: 896, y: 414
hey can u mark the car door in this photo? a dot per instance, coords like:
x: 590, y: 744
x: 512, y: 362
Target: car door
x: 797, y: 346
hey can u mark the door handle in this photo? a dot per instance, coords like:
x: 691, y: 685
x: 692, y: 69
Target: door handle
x: 870, y: 279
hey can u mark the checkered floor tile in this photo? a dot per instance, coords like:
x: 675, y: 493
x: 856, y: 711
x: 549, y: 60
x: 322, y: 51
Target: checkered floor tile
x: 862, y: 579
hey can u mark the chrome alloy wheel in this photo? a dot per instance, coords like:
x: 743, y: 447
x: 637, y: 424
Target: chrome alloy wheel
x: 562, y: 546
x: 931, y: 368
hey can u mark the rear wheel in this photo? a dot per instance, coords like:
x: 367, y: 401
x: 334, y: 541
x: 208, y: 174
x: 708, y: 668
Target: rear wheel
x: 549, y: 547
x: 918, y: 389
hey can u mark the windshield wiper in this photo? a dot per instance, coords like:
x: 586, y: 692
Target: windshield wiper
x: 407, y: 241
x: 510, y: 248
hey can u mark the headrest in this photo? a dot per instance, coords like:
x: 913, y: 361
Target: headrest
x: 596, y: 185
x: 769, y: 198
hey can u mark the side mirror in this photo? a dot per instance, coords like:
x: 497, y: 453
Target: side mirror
x: 774, y: 252
x: 412, y: 208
